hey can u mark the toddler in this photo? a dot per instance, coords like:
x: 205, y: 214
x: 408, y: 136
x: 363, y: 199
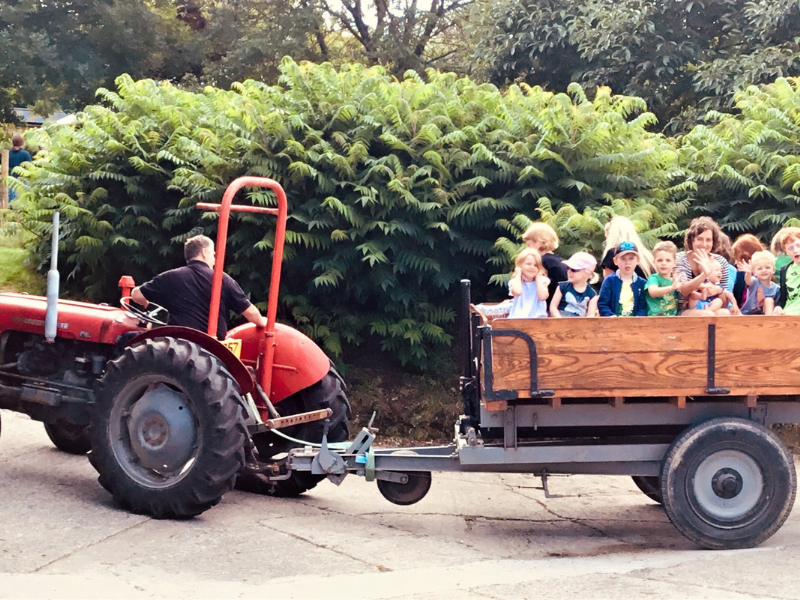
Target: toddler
x: 711, y: 296
x: 575, y: 297
x: 528, y: 287
x: 622, y: 293
x: 762, y: 292
x: 662, y: 301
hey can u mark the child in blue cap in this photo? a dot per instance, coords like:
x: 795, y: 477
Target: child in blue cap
x: 622, y: 293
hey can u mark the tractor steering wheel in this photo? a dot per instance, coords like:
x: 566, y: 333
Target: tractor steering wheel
x: 148, y: 316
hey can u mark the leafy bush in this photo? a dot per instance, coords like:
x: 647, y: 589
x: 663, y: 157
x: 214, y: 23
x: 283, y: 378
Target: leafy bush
x: 747, y: 166
x: 397, y: 189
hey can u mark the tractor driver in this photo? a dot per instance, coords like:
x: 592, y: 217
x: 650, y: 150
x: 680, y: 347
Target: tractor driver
x: 186, y: 291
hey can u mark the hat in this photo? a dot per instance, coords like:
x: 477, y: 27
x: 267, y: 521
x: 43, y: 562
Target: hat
x: 625, y: 248
x: 581, y: 261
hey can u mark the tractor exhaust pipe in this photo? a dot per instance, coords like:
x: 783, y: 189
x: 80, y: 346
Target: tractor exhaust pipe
x: 51, y: 316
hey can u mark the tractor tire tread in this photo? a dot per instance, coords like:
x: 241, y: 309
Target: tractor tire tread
x: 214, y: 396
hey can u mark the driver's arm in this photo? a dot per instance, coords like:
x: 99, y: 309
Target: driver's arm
x: 138, y: 297
x: 252, y: 314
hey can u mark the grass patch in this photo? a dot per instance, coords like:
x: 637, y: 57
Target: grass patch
x: 15, y: 274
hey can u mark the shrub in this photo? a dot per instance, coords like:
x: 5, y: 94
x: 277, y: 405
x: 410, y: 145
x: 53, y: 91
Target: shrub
x: 397, y: 189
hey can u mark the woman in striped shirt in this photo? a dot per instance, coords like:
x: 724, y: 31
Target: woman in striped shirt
x: 695, y: 262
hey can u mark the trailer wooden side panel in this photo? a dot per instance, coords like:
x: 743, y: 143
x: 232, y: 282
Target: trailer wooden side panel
x: 653, y: 356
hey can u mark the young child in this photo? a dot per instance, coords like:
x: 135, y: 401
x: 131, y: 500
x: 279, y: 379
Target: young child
x: 575, y: 297
x: 711, y: 296
x: 528, y: 287
x: 622, y: 293
x: 789, y: 300
x: 662, y: 301
x: 544, y: 239
x: 762, y: 292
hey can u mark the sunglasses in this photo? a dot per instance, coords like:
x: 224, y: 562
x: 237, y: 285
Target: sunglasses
x: 571, y: 270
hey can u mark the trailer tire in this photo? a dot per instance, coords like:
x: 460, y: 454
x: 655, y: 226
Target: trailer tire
x: 650, y: 486
x: 166, y: 432
x: 329, y: 392
x: 404, y: 494
x: 69, y: 437
x: 728, y: 483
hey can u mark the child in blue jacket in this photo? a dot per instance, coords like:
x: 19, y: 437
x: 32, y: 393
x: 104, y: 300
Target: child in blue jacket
x: 622, y: 293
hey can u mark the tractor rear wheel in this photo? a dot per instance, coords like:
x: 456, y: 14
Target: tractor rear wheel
x: 167, y: 434
x: 327, y: 393
x: 69, y: 437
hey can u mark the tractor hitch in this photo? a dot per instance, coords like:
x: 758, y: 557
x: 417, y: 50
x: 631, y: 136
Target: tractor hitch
x: 279, y: 422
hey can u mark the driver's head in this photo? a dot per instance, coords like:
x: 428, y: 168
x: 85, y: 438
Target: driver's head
x: 199, y: 247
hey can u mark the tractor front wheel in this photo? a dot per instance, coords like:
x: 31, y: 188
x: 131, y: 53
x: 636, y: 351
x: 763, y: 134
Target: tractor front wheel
x: 327, y: 393
x: 69, y: 437
x: 167, y: 435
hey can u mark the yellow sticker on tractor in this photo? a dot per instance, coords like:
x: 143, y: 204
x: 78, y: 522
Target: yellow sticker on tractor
x: 234, y: 346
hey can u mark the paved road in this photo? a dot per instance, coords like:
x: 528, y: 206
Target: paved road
x: 476, y: 536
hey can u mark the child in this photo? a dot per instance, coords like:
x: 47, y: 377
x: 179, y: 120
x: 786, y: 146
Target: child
x: 762, y: 292
x: 711, y: 296
x: 544, y: 239
x: 528, y: 286
x: 622, y: 293
x: 662, y: 301
x: 781, y: 258
x: 621, y: 229
x: 743, y: 249
x: 789, y: 300
x: 575, y: 297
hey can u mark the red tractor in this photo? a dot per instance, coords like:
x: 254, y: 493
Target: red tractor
x: 171, y: 417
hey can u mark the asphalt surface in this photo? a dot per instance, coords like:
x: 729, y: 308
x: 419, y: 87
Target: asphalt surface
x: 473, y: 536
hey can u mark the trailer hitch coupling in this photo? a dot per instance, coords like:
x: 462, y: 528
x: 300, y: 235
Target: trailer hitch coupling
x: 327, y: 462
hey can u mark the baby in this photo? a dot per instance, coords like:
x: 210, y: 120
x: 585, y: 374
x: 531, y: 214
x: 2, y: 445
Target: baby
x: 762, y: 292
x: 528, y: 287
x: 575, y: 297
x: 711, y: 296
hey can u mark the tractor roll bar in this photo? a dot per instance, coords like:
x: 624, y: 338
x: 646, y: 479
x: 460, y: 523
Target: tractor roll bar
x: 267, y: 347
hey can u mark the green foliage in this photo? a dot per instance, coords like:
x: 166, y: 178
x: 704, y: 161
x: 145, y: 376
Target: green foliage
x: 683, y: 57
x: 16, y: 275
x: 747, y: 167
x: 397, y: 189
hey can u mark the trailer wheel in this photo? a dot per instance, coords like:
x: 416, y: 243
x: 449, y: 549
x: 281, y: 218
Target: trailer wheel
x: 728, y: 483
x: 651, y: 486
x: 404, y: 494
x: 327, y: 393
x: 166, y: 433
x: 69, y: 437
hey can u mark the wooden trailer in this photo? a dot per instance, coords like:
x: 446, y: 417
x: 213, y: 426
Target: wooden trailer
x: 683, y: 405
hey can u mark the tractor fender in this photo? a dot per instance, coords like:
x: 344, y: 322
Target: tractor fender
x: 235, y: 367
x: 298, y: 362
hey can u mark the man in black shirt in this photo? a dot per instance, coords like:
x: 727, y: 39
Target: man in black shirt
x: 186, y: 291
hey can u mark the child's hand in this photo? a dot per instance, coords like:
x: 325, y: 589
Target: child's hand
x: 744, y: 266
x: 517, y: 272
x: 777, y: 311
x: 543, y: 278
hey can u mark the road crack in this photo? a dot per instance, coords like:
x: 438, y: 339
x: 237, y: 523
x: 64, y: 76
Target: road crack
x: 379, y: 567
x: 87, y: 546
